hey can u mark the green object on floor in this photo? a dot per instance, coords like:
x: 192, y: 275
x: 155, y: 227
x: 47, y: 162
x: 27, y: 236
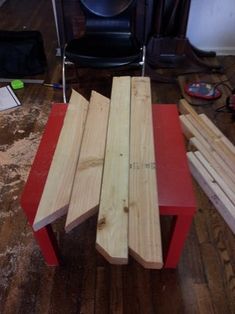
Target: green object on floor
x: 17, y: 84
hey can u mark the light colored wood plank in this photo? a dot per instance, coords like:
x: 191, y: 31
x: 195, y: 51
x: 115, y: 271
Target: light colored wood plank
x: 215, y: 161
x: 87, y: 183
x: 215, y: 142
x: 212, y: 190
x: 221, y: 162
x: 217, y: 132
x: 185, y: 109
x: 144, y: 223
x: 112, y: 228
x: 56, y: 194
x: 217, y: 177
x: 211, y: 125
x: 190, y: 131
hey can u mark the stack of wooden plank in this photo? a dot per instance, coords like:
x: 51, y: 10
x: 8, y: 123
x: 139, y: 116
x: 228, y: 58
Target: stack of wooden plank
x: 105, y: 162
x: 211, y: 160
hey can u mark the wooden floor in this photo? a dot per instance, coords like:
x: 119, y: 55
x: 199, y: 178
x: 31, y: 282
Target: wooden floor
x: 204, y: 281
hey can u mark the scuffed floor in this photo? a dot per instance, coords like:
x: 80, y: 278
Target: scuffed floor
x: 20, y: 133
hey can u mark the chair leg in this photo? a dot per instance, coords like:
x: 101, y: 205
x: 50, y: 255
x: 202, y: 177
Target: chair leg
x: 143, y: 61
x: 64, y: 80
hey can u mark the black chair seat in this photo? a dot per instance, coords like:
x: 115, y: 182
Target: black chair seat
x: 109, y: 38
x: 103, y: 51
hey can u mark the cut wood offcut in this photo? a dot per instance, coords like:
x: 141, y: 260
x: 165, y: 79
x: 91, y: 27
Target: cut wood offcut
x: 56, y: 194
x: 212, y: 165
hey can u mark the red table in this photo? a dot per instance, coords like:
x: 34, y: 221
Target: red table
x: 175, y: 191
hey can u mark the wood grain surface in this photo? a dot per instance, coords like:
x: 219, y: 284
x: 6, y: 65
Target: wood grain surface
x: 144, y: 222
x: 112, y: 227
x: 87, y: 182
x: 58, y: 187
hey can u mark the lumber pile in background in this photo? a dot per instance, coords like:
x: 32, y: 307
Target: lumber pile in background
x: 105, y: 162
x: 211, y: 160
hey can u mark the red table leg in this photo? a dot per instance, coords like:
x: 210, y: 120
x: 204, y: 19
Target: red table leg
x: 180, y: 228
x: 36, y: 180
x: 48, y: 245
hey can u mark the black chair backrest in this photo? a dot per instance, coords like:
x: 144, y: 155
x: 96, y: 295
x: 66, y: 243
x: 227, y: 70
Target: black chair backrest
x: 107, y: 8
x: 108, y: 16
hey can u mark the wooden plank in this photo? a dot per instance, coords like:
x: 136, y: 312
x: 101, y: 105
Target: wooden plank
x: 215, y: 161
x: 217, y: 132
x: 221, y: 162
x: 190, y: 131
x: 212, y: 190
x: 211, y: 125
x: 194, y: 136
x: 217, y: 177
x: 216, y: 143
x: 185, y: 109
x: 112, y: 229
x: 87, y: 183
x: 144, y: 225
x: 57, y: 190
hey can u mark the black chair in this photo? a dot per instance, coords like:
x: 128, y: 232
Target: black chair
x: 109, y: 39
